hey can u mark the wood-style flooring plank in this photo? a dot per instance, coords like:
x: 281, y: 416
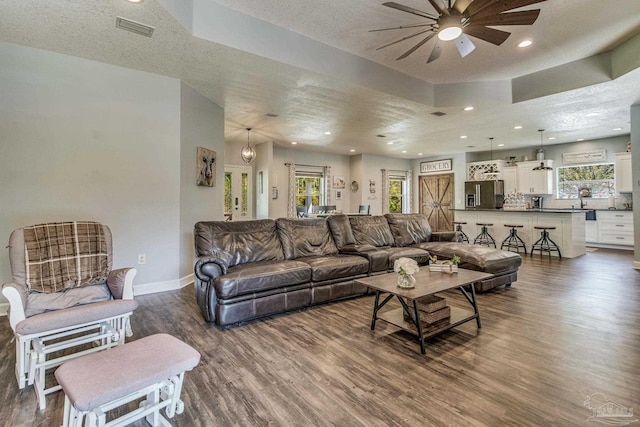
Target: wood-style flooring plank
x: 566, y: 329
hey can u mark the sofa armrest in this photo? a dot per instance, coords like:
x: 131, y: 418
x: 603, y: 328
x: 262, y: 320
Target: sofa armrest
x: 120, y: 282
x: 446, y: 236
x: 209, y: 267
x: 17, y: 296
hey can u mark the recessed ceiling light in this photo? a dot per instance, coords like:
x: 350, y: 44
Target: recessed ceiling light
x: 352, y: 151
x: 500, y: 145
x: 517, y: 127
x: 419, y: 154
x: 327, y: 133
x: 595, y: 113
x: 580, y: 139
x: 463, y: 137
x: 525, y: 43
x: 404, y: 151
x: 294, y: 143
x: 135, y: 1
x: 390, y: 143
x: 469, y: 108
x: 552, y: 137
x: 617, y: 128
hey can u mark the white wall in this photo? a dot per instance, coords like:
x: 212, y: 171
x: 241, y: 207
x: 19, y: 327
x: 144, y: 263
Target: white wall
x: 201, y: 124
x: 90, y: 141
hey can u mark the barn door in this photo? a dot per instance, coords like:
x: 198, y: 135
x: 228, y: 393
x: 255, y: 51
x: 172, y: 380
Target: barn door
x: 238, y: 193
x: 436, y: 200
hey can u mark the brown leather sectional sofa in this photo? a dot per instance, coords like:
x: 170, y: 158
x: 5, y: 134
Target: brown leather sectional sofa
x: 250, y: 269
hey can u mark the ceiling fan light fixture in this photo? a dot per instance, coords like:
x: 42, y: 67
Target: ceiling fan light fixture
x: 248, y: 153
x: 450, y: 28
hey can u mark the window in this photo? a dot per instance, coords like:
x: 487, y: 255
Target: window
x: 596, y: 180
x: 397, y: 190
x: 309, y: 189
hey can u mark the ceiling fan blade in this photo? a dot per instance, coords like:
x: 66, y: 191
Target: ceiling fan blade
x: 403, y: 39
x: 477, y: 5
x: 413, y: 49
x: 435, y: 53
x: 499, y: 6
x: 490, y: 35
x: 438, y: 8
x: 526, y: 17
x: 461, y: 5
x: 402, y: 27
x: 464, y: 45
x: 410, y: 10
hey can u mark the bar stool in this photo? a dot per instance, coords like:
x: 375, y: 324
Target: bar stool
x: 544, y: 243
x: 513, y: 240
x: 484, y: 238
x: 459, y: 229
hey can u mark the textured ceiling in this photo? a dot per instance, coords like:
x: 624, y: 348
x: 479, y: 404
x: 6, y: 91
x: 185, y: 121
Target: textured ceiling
x: 310, y: 99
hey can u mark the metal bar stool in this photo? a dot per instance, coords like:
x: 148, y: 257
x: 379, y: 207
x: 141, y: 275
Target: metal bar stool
x: 544, y: 243
x: 513, y: 240
x: 484, y: 238
x: 459, y: 229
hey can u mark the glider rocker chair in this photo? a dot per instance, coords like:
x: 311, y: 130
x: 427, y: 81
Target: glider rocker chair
x: 65, y: 301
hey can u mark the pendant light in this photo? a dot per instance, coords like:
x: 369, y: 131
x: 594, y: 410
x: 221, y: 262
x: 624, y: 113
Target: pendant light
x: 492, y: 172
x: 248, y: 153
x: 542, y: 166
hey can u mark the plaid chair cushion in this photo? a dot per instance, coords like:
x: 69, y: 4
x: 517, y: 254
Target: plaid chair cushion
x: 65, y: 255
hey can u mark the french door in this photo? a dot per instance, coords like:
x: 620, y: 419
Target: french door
x: 238, y: 193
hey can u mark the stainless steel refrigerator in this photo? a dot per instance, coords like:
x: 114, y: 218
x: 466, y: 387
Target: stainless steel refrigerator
x: 484, y: 194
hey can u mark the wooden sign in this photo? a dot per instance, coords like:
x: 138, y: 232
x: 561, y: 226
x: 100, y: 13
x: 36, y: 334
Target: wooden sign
x: 436, y: 166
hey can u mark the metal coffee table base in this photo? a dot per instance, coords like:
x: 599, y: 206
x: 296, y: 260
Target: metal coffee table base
x: 396, y: 318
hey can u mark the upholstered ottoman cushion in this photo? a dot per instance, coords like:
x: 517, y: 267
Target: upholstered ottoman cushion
x: 475, y: 257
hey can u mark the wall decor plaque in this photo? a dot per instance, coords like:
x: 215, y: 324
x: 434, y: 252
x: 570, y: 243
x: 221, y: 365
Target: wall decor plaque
x: 584, y: 157
x: 436, y: 166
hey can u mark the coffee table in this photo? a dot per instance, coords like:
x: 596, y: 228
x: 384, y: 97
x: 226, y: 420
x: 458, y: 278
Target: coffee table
x: 427, y: 283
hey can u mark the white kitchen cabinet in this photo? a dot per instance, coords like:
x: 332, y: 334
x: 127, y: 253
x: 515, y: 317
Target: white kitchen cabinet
x: 530, y: 181
x: 591, y: 231
x: 624, y: 181
x: 510, y: 178
x: 615, y: 228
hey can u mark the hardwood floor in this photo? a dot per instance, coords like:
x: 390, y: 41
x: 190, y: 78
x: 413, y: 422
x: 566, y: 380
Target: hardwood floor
x: 564, y: 331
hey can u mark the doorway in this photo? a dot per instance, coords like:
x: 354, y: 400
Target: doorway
x: 436, y: 200
x: 238, y: 193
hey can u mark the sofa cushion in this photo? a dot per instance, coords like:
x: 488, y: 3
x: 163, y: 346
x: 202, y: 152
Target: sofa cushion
x: 475, y: 257
x: 371, y: 230
x: 239, y: 242
x: 409, y: 229
x: 420, y: 255
x: 325, y: 268
x: 341, y: 230
x: 261, y: 276
x: 305, y: 237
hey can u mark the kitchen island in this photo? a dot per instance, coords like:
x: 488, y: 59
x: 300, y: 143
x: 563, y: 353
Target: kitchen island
x: 569, y: 234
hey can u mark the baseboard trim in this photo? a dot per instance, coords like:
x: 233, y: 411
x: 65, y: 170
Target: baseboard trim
x: 636, y: 265
x: 169, y: 285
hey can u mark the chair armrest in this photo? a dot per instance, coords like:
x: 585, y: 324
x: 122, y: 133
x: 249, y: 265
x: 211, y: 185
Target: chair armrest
x: 17, y: 296
x: 120, y: 282
x: 209, y: 267
x: 446, y: 236
x: 356, y: 249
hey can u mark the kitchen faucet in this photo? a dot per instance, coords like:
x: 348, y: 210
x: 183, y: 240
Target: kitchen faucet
x: 582, y: 203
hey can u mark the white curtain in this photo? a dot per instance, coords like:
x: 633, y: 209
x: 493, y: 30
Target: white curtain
x: 327, y: 184
x: 385, y: 191
x: 291, y: 199
x: 409, y: 191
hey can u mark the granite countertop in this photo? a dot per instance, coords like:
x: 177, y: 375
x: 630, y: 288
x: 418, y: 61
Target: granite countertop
x: 527, y: 210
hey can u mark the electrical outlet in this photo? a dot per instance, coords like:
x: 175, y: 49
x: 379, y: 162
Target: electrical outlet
x: 142, y: 259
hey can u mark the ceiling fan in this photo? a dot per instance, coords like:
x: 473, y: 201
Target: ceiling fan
x: 461, y: 19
